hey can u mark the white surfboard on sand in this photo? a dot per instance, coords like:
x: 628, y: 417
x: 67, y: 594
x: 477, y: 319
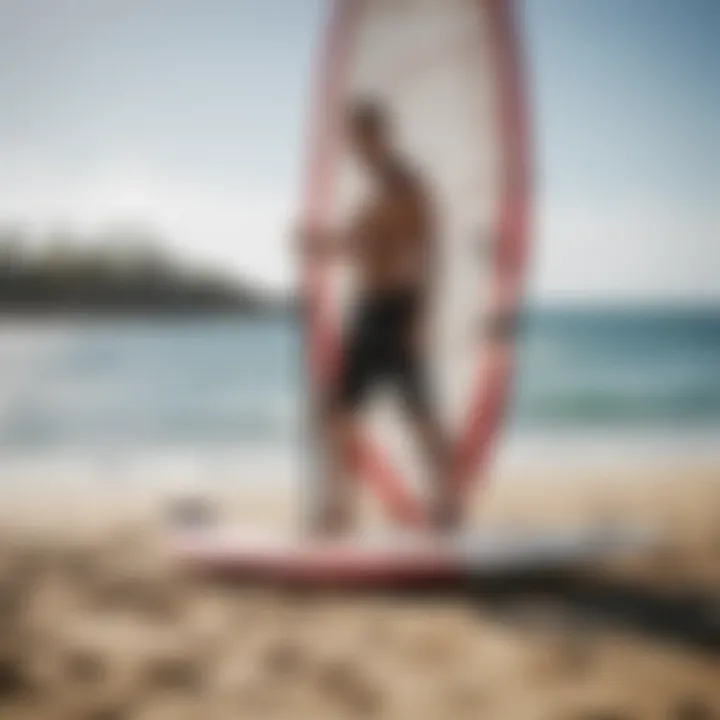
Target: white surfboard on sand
x: 401, y: 559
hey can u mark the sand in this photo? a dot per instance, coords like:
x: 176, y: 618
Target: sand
x: 97, y: 624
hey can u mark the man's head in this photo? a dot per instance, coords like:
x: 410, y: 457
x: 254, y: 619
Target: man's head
x: 369, y: 132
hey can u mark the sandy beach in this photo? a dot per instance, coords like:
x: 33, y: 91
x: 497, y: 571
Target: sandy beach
x: 97, y: 624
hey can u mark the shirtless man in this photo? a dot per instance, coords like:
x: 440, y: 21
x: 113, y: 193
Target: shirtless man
x: 391, y: 246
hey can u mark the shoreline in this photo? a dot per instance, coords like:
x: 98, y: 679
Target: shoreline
x: 278, y: 464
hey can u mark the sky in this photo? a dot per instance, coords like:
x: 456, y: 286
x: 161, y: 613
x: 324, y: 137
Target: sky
x: 188, y: 116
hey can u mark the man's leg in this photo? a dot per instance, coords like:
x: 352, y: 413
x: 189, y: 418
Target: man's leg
x: 337, y: 511
x: 433, y: 441
x: 340, y: 432
x: 445, y: 510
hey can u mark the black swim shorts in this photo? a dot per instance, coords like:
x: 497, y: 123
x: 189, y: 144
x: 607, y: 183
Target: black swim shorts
x: 379, y: 349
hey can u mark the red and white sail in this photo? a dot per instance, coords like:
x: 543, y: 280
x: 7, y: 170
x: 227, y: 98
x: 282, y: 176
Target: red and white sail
x: 447, y: 72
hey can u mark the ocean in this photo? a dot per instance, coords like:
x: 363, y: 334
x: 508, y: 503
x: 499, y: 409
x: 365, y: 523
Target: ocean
x: 202, y: 394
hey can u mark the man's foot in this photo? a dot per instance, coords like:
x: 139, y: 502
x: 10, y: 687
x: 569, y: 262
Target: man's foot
x: 333, y: 523
x: 446, y: 516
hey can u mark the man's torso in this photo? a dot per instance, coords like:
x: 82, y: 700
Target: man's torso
x: 388, y: 236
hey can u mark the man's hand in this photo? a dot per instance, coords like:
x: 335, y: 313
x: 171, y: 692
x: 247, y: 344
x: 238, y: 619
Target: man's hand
x: 305, y: 238
x: 313, y: 243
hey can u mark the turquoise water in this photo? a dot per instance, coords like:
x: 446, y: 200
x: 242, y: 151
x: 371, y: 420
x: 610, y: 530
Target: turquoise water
x: 619, y: 369
x: 235, y: 384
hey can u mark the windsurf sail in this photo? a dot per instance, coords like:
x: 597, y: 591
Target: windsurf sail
x: 448, y: 74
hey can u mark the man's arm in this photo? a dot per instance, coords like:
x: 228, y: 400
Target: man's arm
x: 430, y: 250
x: 424, y: 225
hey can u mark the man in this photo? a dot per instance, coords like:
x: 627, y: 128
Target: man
x: 390, y: 243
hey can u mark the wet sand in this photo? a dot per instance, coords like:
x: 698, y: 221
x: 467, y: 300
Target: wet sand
x: 97, y: 624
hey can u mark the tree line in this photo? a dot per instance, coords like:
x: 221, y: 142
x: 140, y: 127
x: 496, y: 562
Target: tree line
x: 121, y: 271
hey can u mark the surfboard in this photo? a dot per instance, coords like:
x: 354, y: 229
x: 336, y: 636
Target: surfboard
x: 448, y: 75
x: 402, y: 558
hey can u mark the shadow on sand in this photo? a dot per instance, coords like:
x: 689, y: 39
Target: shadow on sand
x: 573, y: 601
x: 569, y: 601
